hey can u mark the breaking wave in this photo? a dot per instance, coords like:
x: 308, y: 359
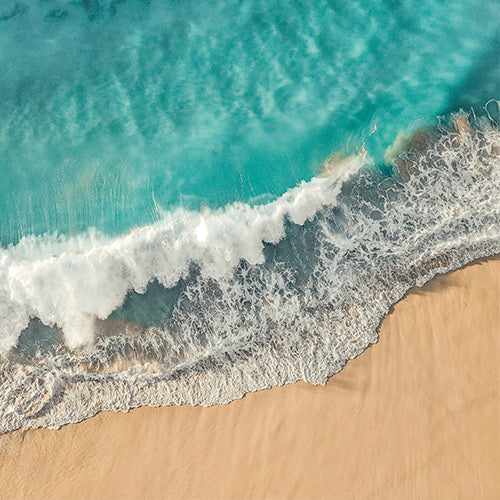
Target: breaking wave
x: 203, y: 307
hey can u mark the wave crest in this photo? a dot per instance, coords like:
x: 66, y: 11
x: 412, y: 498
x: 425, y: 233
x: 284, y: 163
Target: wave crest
x: 71, y: 282
x: 226, y: 313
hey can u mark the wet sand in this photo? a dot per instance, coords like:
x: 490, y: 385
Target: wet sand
x: 415, y: 416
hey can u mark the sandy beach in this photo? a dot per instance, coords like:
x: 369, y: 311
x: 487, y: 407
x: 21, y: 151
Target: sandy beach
x: 415, y: 416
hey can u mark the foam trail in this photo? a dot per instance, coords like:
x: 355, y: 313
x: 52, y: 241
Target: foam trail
x: 69, y: 282
x: 241, y: 315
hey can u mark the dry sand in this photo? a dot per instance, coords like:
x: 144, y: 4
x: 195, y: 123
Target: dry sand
x: 415, y: 416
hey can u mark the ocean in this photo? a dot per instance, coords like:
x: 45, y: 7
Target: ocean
x: 202, y: 199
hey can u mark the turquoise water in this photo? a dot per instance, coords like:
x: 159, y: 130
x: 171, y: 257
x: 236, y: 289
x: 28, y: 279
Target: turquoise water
x: 113, y: 112
x: 174, y: 224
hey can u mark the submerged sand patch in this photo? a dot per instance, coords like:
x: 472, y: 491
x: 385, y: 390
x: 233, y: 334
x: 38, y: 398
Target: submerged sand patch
x: 415, y: 416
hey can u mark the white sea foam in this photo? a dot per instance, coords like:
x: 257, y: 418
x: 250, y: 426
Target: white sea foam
x: 69, y: 282
x: 297, y: 309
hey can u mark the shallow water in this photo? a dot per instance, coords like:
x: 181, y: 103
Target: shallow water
x: 167, y: 235
x: 113, y: 112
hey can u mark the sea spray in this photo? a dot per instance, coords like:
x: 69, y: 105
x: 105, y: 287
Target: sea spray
x: 71, y: 282
x: 308, y: 297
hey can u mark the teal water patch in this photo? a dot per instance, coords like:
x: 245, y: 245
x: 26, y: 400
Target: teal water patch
x: 114, y: 111
x: 221, y: 303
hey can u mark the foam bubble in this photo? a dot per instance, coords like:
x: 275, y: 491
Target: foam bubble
x: 70, y: 282
x: 297, y: 309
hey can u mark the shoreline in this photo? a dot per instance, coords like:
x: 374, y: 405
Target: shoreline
x: 354, y: 436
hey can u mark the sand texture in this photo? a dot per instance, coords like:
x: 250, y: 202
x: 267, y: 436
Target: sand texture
x: 415, y: 416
